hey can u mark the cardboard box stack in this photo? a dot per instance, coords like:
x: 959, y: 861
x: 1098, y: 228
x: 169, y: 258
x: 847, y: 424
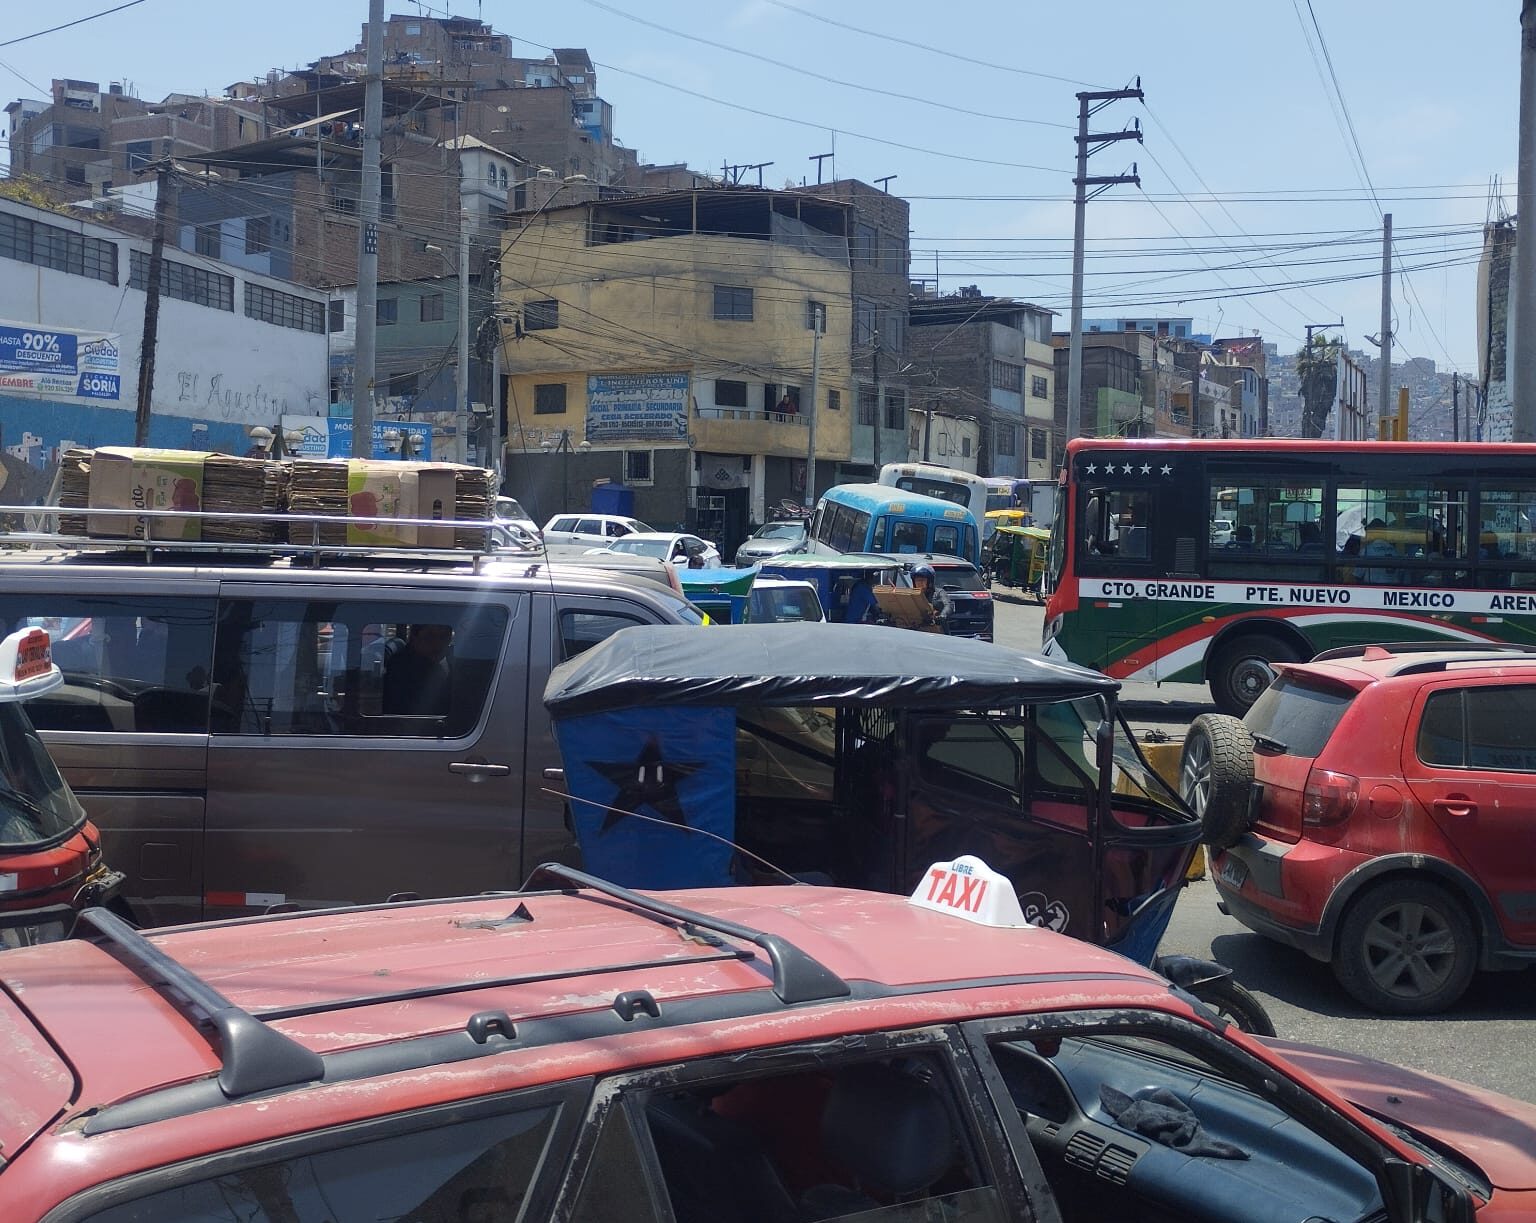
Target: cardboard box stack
x: 374, y: 496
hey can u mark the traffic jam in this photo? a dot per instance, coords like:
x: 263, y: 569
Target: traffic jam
x: 441, y: 866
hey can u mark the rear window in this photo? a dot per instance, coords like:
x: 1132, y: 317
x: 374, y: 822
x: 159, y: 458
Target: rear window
x: 959, y: 579
x: 1298, y: 715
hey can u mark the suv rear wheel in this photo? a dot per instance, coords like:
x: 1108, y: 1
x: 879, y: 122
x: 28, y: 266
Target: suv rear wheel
x: 1406, y: 947
x: 1216, y: 777
x: 1240, y: 669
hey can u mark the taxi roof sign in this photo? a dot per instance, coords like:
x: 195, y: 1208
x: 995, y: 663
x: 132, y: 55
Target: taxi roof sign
x: 969, y: 888
x: 26, y: 665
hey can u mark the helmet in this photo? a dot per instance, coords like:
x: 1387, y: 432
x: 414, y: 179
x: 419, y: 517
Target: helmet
x: 923, y: 571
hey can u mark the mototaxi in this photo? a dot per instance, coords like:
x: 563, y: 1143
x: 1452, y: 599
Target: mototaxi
x: 50, y: 854
x: 860, y: 755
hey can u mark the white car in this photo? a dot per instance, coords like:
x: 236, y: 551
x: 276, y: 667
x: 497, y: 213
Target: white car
x: 783, y: 601
x: 684, y: 551
x: 1221, y: 531
x: 600, y: 529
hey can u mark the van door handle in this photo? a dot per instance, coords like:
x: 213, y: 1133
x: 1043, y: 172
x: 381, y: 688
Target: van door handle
x: 1456, y: 804
x: 476, y: 769
x: 554, y: 775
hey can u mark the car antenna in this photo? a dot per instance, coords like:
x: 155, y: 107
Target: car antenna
x: 651, y: 819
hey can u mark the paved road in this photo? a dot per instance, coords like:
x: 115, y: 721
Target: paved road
x: 1483, y: 1040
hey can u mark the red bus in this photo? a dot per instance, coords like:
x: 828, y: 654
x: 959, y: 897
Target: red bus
x: 1206, y: 561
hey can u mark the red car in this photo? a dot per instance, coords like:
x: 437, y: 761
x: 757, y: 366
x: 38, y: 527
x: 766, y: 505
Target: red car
x: 581, y: 1052
x: 1376, y: 808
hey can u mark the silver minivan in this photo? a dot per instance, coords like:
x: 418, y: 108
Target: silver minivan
x: 251, y: 732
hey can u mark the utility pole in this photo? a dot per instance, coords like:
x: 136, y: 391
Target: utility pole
x: 879, y: 406
x: 1384, y: 374
x: 818, y: 325
x: 1088, y: 143
x: 1455, y: 407
x: 461, y: 375
x: 368, y: 239
x: 164, y: 185
x: 818, y: 158
x: 1523, y: 399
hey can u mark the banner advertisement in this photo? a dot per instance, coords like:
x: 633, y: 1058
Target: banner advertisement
x: 649, y: 407
x: 339, y: 439
x: 57, y: 361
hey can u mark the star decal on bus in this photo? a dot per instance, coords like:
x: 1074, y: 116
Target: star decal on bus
x: 1146, y: 469
x: 1126, y: 469
x: 1167, y: 471
x: 1092, y: 469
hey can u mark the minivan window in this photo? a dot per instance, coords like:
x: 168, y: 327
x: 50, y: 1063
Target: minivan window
x: 131, y: 663
x: 322, y: 667
x: 581, y: 630
x: 1298, y: 715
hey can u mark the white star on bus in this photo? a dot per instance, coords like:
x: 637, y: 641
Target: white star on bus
x: 1146, y: 469
x: 1167, y: 471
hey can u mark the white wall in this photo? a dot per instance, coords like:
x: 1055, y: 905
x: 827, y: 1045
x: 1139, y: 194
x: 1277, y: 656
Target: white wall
x: 211, y: 364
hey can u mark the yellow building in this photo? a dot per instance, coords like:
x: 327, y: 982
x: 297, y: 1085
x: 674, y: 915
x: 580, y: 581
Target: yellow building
x: 670, y: 342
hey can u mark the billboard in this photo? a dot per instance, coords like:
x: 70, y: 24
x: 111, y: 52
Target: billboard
x: 625, y: 407
x: 57, y: 361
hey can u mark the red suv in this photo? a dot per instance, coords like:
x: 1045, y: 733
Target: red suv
x: 743, y: 1055
x: 1375, y: 808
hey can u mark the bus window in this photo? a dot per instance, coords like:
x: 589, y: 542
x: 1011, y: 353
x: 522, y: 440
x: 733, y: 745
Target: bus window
x: 1116, y: 522
x: 1263, y: 519
x: 946, y: 539
x: 1506, y: 550
x: 908, y: 537
x: 877, y: 540
x: 848, y: 529
x: 1379, y: 529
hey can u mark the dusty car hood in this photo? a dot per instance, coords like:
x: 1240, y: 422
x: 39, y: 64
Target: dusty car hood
x: 1495, y: 1132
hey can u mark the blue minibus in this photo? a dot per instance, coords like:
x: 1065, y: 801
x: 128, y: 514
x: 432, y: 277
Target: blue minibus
x: 879, y: 518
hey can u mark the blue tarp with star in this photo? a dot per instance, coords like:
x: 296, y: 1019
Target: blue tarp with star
x: 639, y: 783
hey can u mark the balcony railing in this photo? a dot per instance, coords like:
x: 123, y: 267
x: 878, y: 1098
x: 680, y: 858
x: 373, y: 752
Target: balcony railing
x: 750, y: 414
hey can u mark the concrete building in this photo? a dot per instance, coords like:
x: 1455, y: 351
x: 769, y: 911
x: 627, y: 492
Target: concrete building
x: 989, y: 358
x: 666, y: 342
x: 1131, y: 386
x: 879, y: 243
x: 236, y: 349
x: 93, y: 140
x: 1163, y: 328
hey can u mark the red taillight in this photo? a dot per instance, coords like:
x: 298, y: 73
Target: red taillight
x: 1329, y: 798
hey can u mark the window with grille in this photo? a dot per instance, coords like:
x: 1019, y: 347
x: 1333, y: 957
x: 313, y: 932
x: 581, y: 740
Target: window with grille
x: 1039, y: 387
x: 1006, y: 442
x: 284, y: 309
x: 52, y: 246
x: 386, y: 311
x: 541, y: 315
x: 337, y: 316
x: 431, y: 307
x: 258, y: 235
x: 208, y: 241
x: 1038, y: 446
x: 548, y: 398
x: 1007, y: 377
x: 733, y: 303
x: 183, y: 282
x: 730, y: 394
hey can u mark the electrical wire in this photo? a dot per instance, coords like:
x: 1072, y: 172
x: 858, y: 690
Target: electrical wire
x: 11, y: 42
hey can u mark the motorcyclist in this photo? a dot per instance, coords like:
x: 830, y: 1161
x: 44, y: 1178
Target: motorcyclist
x: 925, y: 580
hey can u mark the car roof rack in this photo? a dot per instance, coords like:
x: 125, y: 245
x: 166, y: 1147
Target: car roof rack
x: 797, y: 976
x: 1424, y: 647
x: 497, y: 540
x: 255, y: 1057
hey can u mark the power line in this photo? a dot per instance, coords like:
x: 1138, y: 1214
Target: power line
x: 11, y: 42
x: 917, y: 46
x: 819, y: 76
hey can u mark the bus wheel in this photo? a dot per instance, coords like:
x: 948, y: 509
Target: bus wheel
x: 1216, y: 777
x: 1241, y: 670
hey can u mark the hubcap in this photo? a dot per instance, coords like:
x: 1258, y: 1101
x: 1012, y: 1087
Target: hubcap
x: 1195, y: 775
x: 1410, y: 951
x: 1250, y: 677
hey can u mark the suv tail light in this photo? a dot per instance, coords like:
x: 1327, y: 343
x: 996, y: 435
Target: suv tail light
x: 1329, y: 798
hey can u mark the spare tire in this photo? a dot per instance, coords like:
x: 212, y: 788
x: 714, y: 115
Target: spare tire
x: 1216, y: 776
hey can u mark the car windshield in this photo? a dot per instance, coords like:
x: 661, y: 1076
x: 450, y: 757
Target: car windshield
x: 1295, y: 717
x: 659, y: 548
x: 35, y: 804
x: 781, y: 530
x: 956, y: 578
x: 506, y: 507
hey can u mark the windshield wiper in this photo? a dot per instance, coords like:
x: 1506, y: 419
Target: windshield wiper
x: 1270, y: 744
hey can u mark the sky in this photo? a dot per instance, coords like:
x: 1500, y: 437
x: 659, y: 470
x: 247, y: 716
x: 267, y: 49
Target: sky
x: 1262, y: 181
